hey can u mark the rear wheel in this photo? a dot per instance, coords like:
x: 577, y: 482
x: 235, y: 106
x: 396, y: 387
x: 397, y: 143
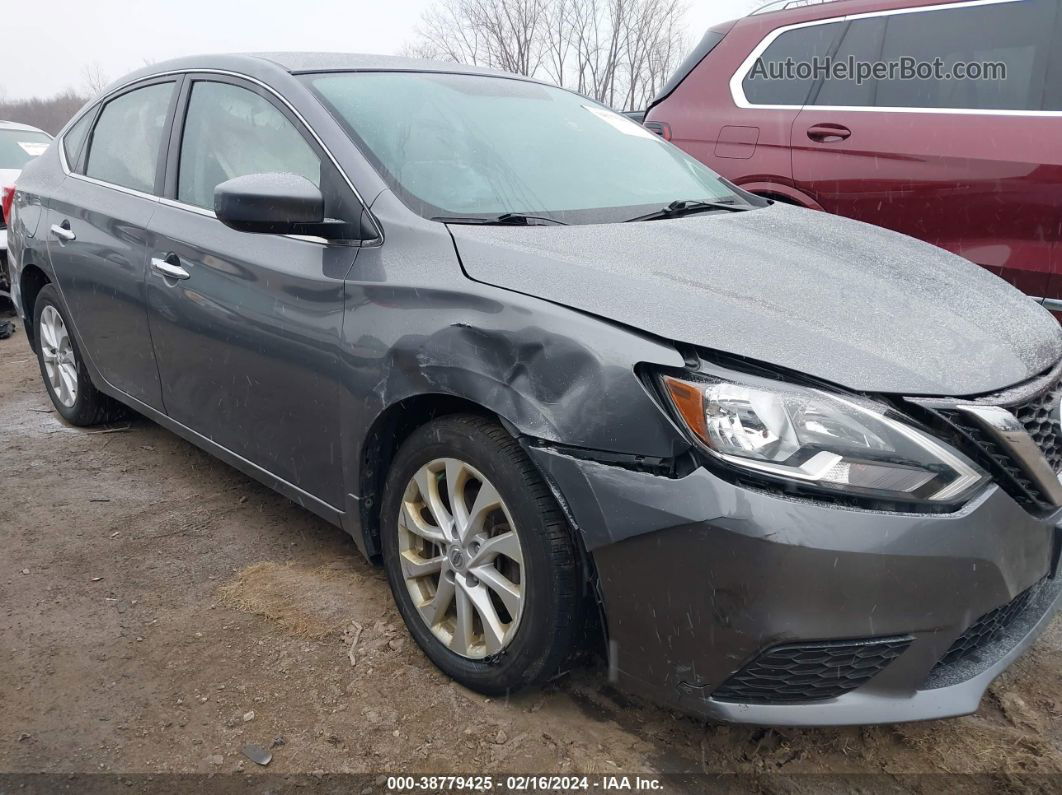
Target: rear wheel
x: 65, y: 377
x: 480, y: 560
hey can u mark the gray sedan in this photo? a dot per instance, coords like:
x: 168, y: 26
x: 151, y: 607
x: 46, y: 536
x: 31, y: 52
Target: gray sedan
x: 573, y: 390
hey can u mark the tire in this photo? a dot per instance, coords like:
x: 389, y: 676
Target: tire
x: 546, y: 629
x: 83, y: 405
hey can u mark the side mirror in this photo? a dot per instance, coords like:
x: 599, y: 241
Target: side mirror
x: 279, y: 204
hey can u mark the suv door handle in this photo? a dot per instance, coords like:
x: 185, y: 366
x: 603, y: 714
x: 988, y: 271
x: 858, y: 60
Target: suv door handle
x: 169, y: 267
x: 828, y: 133
x: 63, y: 232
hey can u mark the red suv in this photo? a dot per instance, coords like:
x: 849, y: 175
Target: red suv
x: 973, y: 164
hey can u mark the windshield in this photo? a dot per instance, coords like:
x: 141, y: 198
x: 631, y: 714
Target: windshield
x: 475, y: 146
x: 18, y: 147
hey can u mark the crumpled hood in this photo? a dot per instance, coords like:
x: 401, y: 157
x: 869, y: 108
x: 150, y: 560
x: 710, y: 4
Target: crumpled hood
x: 840, y: 300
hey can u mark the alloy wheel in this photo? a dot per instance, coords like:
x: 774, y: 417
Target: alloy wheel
x: 461, y: 558
x: 60, y: 363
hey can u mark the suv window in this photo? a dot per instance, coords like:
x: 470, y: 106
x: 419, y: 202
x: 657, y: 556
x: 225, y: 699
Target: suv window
x: 1053, y: 91
x: 231, y: 132
x: 699, y: 53
x: 124, y: 149
x: 1018, y: 35
x: 862, y: 43
x: 801, y: 46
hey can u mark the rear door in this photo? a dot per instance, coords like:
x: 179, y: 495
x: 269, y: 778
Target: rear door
x: 97, y: 235
x: 248, y: 341
x: 971, y: 165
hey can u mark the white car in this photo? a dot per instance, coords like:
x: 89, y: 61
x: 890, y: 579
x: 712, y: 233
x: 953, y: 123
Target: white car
x: 19, y: 143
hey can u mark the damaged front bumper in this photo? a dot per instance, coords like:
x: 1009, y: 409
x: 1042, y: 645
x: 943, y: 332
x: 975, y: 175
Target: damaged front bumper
x: 743, y: 605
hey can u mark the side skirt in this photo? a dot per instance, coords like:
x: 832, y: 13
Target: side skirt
x: 301, y: 498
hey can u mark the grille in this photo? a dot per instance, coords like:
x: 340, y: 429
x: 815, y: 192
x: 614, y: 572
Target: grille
x: 802, y: 672
x: 987, y: 628
x: 1036, y: 407
x: 1040, y: 416
x: 1005, y: 469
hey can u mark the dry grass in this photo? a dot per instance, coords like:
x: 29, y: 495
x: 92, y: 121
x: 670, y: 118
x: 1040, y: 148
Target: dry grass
x: 308, y: 602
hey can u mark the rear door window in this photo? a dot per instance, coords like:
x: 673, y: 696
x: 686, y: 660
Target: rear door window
x: 861, y: 44
x: 784, y: 74
x: 1016, y: 35
x: 124, y: 149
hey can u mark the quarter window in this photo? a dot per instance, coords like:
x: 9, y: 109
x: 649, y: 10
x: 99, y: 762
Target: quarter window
x: 767, y: 83
x: 231, y: 132
x: 74, y: 139
x: 125, y: 142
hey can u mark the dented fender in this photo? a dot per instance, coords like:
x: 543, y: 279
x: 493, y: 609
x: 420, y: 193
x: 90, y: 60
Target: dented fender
x: 415, y: 325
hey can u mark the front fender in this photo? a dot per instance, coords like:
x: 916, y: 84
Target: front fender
x: 415, y: 325
x: 552, y: 373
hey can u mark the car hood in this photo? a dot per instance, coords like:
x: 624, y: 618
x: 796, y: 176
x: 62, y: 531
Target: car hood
x: 843, y: 301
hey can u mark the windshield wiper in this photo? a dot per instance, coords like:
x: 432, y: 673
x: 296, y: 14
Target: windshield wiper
x: 505, y: 219
x: 678, y: 209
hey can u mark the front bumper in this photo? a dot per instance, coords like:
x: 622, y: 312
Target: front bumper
x: 699, y: 577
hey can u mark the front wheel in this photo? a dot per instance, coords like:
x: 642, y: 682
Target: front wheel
x: 480, y: 560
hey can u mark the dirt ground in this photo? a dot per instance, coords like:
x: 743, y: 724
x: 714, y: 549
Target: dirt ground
x: 159, y: 610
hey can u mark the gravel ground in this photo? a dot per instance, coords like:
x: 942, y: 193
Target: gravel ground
x: 159, y: 611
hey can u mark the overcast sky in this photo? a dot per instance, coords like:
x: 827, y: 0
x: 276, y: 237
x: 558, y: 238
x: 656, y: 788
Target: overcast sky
x: 47, y: 46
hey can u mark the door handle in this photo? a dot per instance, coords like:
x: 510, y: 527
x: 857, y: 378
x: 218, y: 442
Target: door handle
x: 63, y: 232
x: 829, y: 133
x: 169, y: 267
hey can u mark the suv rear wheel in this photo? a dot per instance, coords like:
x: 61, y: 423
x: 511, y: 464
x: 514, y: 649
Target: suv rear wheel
x: 480, y: 559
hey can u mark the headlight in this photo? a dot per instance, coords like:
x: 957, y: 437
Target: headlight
x: 828, y: 441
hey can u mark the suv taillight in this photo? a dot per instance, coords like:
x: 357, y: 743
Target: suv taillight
x: 7, y: 196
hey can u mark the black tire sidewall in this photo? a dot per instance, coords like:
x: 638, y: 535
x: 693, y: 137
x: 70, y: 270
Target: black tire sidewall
x: 522, y: 662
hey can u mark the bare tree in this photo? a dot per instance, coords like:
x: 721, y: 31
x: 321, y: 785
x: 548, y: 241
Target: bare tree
x: 49, y: 114
x: 93, y: 78
x: 504, y: 35
x: 619, y: 52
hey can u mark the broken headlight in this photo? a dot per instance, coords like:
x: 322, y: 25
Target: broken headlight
x: 821, y: 439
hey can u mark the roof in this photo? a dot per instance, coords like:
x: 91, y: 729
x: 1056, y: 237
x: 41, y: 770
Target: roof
x: 298, y: 62
x: 14, y: 125
x: 787, y: 5
x: 806, y: 10
x: 259, y: 64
